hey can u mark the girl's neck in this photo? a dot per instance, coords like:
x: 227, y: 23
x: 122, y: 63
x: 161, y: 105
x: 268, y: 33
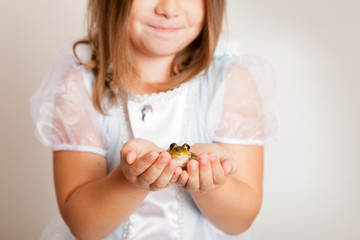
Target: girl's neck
x: 150, y: 72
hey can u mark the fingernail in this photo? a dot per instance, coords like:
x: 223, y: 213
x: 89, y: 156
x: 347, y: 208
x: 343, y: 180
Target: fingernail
x: 227, y: 169
x: 193, y: 166
x: 172, y: 165
x: 163, y: 159
x: 178, y: 171
x: 129, y: 158
x: 203, y: 161
x: 154, y: 156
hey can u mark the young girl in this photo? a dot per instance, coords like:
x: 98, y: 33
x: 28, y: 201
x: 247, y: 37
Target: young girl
x: 148, y: 75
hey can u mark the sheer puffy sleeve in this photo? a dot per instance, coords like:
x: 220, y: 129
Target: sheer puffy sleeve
x: 245, y: 103
x: 62, y: 110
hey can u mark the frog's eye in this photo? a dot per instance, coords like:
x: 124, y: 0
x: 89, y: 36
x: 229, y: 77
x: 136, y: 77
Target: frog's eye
x: 186, y: 146
x: 173, y: 145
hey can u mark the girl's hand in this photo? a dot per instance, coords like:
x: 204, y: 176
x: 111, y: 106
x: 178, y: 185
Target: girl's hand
x: 210, y: 171
x: 145, y: 167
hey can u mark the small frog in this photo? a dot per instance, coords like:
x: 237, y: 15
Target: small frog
x: 181, y: 154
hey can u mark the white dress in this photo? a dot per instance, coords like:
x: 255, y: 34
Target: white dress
x: 234, y: 102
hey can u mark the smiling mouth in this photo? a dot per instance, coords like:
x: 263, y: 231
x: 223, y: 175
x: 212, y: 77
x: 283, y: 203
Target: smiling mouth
x: 165, y: 29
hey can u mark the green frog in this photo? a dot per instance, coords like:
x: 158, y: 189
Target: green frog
x: 181, y: 154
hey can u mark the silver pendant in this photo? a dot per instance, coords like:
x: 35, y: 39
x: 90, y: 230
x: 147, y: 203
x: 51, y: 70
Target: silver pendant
x: 146, y: 113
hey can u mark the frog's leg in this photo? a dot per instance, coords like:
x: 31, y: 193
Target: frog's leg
x: 193, y: 156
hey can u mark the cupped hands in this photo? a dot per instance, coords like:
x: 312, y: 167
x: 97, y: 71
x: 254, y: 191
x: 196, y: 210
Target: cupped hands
x: 149, y: 167
x: 145, y: 167
x: 210, y: 170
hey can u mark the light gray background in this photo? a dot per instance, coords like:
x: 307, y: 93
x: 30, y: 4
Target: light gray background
x: 311, y: 172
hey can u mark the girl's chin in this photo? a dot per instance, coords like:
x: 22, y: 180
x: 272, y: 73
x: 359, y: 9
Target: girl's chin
x: 163, y: 51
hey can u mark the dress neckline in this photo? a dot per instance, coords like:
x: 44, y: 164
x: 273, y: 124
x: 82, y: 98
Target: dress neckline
x: 163, y: 95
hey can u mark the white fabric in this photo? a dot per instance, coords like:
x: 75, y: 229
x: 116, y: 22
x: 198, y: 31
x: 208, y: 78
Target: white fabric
x: 248, y: 107
x: 167, y: 118
x: 154, y: 219
x: 63, y: 112
x: 232, y: 103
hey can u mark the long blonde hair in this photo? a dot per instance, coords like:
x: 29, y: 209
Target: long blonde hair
x: 108, y: 38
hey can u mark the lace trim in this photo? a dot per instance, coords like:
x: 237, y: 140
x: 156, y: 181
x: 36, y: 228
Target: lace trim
x: 125, y: 235
x: 180, y: 213
x: 190, y: 98
x: 241, y: 141
x: 124, y: 118
x: 80, y: 148
x: 166, y: 95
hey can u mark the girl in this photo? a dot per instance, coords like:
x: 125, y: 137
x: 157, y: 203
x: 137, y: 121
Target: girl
x: 148, y: 75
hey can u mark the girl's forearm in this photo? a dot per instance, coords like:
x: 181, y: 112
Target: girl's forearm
x: 97, y: 208
x: 231, y: 208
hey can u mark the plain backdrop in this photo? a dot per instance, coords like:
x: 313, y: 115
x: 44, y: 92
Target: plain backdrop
x: 311, y: 184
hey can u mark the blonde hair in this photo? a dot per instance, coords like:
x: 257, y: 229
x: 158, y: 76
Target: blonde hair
x: 108, y: 38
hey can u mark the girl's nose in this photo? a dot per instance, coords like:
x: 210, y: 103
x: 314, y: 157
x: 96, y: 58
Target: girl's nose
x: 168, y: 8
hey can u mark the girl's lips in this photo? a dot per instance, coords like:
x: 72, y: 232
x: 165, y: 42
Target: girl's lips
x: 164, y: 29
